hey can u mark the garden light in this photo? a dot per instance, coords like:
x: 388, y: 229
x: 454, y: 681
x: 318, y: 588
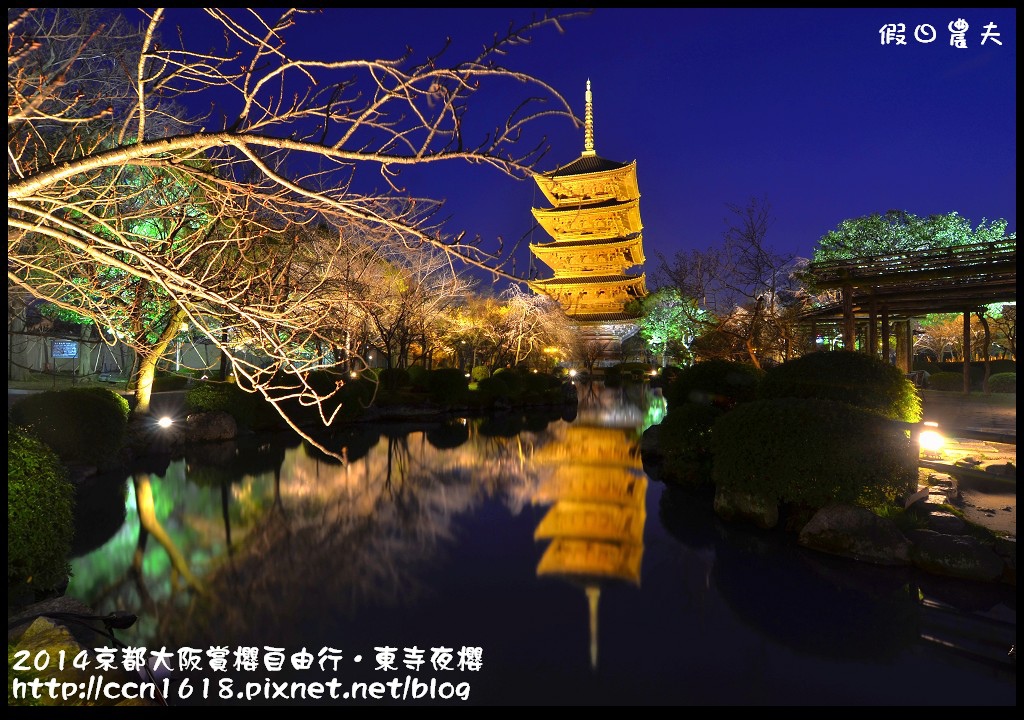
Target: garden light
x: 165, y: 421
x: 931, y: 441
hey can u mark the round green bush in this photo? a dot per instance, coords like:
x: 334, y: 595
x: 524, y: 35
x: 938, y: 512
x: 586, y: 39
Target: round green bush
x: 1003, y: 383
x: 495, y: 387
x: 684, y: 439
x: 418, y: 377
x: 447, y: 385
x: 539, y: 382
x: 947, y: 381
x: 394, y: 378
x: 853, y: 378
x: 40, y: 524
x: 512, y: 379
x: 479, y: 373
x: 250, y: 410
x: 812, y: 452
x: 82, y: 425
x: 722, y: 383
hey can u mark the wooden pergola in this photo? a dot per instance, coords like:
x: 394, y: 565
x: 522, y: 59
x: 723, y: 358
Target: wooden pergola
x: 884, y: 293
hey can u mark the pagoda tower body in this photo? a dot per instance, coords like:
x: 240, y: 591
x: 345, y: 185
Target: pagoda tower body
x: 597, y: 238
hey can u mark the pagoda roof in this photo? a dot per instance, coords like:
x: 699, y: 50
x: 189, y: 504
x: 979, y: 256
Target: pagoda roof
x: 556, y: 244
x: 586, y: 164
x: 588, y: 280
x: 604, y: 317
x: 569, y: 209
x: 609, y: 219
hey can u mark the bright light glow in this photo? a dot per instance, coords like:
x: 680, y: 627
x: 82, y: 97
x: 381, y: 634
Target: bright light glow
x: 353, y: 374
x: 184, y: 327
x: 931, y: 441
x: 165, y: 422
x: 572, y: 373
x: 467, y: 374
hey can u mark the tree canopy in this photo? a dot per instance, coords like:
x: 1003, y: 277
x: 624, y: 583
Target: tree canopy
x: 898, y: 231
x: 127, y: 210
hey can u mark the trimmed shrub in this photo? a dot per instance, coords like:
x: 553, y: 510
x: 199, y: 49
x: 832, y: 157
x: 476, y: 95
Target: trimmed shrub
x: 684, y: 440
x: 418, y: 377
x: 812, y: 452
x: 947, y: 381
x: 394, y: 378
x: 1003, y: 382
x: 447, y: 385
x: 714, y: 382
x: 696, y: 397
x: 40, y: 519
x: 82, y: 425
x: 539, y: 382
x: 480, y: 372
x: 853, y: 378
x: 512, y: 379
x: 249, y: 410
x: 168, y: 383
x: 494, y: 387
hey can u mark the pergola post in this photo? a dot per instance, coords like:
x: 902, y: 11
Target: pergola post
x: 849, y: 324
x: 872, y: 341
x: 967, y: 351
x: 909, y: 343
x: 885, y: 334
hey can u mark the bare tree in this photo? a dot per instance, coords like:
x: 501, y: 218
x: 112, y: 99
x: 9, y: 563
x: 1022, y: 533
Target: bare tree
x: 744, y: 285
x: 214, y: 217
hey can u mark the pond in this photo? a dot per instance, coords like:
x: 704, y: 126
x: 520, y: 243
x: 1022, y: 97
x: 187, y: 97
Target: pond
x: 511, y: 560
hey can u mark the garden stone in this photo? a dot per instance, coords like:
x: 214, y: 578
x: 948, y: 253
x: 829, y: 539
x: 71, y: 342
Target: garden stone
x: 211, y: 426
x: 731, y: 505
x: 946, y: 523
x: 856, y: 533
x: 959, y: 556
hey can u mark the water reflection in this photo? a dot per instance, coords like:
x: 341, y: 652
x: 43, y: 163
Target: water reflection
x: 591, y: 476
x: 464, y: 532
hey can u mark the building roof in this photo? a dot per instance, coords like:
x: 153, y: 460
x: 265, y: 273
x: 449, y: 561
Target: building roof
x: 604, y: 317
x: 914, y: 284
x: 570, y: 209
x: 586, y: 164
x: 588, y: 280
x: 557, y: 244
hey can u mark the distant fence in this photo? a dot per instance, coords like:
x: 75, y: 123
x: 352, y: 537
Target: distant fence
x: 29, y: 354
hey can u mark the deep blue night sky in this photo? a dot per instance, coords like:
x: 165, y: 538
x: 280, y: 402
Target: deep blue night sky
x: 807, y: 109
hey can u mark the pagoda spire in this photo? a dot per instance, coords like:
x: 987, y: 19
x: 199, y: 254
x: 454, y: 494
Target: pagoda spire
x: 588, y: 124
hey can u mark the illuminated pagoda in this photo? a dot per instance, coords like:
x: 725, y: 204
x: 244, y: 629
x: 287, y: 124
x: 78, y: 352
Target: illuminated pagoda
x: 591, y: 477
x: 597, y: 237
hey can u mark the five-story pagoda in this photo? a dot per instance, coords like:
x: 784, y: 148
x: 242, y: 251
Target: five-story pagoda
x: 597, y: 238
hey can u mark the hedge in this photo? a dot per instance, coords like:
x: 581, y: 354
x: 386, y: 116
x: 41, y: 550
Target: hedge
x: 40, y: 516
x: 1003, y: 383
x: 853, y: 378
x: 812, y: 452
x: 82, y: 425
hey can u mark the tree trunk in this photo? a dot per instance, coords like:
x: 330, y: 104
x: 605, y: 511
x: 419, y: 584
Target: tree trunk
x: 148, y: 362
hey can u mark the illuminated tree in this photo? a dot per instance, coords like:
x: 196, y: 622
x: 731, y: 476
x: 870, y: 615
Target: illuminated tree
x: 670, y: 322
x: 214, y: 216
x: 743, y: 285
x: 530, y: 323
x: 410, y: 290
x: 898, y: 231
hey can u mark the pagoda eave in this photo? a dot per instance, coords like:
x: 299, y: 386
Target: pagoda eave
x: 592, y: 187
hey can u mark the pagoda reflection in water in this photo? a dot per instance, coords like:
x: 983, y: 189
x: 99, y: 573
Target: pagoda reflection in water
x: 592, y: 477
